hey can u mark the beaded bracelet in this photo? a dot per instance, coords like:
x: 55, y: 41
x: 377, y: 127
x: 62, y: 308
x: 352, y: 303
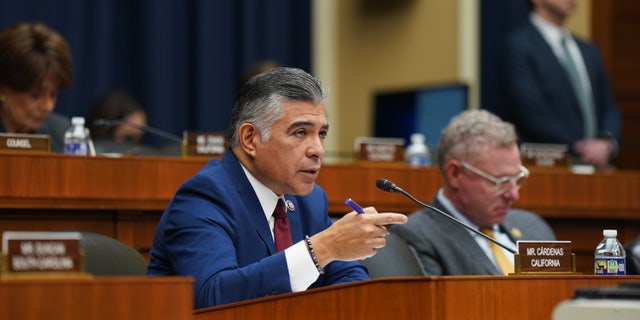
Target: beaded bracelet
x: 313, y: 255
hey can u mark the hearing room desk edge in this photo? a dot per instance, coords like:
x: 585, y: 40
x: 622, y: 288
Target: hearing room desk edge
x: 123, y: 197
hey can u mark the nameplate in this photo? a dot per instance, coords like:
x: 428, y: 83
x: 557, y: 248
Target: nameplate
x: 205, y: 144
x: 544, y: 257
x: 380, y: 149
x: 17, y: 142
x: 41, y: 252
x: 544, y: 155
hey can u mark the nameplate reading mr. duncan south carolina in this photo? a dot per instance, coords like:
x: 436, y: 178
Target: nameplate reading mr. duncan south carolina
x: 41, y: 252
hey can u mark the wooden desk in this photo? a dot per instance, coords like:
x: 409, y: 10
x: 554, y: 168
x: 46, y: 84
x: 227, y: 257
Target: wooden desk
x: 441, y: 298
x: 124, y: 197
x: 103, y: 298
x: 119, y: 197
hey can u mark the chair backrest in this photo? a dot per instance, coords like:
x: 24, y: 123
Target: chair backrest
x: 632, y: 249
x: 106, y: 256
x: 396, y: 259
x: 534, y: 223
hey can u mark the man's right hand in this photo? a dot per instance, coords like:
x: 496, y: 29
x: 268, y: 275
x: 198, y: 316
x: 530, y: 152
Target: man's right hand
x: 355, y: 236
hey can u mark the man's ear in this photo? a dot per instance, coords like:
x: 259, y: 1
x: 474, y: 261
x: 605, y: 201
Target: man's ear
x: 453, y: 172
x: 249, y: 138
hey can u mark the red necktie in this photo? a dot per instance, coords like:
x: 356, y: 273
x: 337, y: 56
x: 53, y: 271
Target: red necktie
x: 281, y: 229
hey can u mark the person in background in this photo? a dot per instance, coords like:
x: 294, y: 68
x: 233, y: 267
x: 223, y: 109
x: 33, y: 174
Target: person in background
x: 479, y: 160
x: 223, y: 225
x: 35, y: 62
x: 118, y: 123
x: 556, y: 87
x: 117, y: 105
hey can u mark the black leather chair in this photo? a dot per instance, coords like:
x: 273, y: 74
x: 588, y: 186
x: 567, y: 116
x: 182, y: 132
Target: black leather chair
x: 632, y: 249
x: 396, y: 259
x: 106, y: 256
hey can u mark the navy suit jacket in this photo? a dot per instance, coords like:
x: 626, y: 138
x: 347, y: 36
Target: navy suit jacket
x: 446, y: 248
x: 215, y: 230
x: 536, y: 90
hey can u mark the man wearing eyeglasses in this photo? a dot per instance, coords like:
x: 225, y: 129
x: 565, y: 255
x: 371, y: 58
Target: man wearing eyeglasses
x: 482, y: 173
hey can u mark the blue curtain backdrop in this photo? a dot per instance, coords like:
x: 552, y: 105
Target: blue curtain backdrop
x: 182, y: 58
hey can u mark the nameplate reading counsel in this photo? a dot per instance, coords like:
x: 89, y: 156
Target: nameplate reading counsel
x: 18, y: 142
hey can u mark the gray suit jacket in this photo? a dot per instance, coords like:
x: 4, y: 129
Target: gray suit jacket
x: 445, y: 248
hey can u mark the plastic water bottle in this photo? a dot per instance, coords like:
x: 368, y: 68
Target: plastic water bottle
x: 77, y: 138
x: 417, y: 153
x: 610, y: 256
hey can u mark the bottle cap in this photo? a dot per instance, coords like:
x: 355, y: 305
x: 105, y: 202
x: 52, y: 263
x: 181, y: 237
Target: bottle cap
x: 610, y: 233
x: 77, y: 121
x: 417, y: 138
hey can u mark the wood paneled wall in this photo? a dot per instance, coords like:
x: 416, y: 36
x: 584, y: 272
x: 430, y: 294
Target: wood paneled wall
x: 615, y: 29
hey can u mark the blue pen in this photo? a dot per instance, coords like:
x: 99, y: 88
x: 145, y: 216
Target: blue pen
x: 354, y: 206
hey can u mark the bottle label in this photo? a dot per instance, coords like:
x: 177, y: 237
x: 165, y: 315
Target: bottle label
x: 417, y: 161
x: 79, y: 149
x: 609, y: 266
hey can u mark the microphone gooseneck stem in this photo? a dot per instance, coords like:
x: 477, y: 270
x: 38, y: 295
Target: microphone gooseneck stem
x: 109, y: 123
x: 393, y: 188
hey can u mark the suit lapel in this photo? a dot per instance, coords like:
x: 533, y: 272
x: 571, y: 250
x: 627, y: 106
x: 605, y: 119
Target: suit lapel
x: 462, y: 236
x: 549, y: 63
x: 295, y: 220
x: 249, y: 199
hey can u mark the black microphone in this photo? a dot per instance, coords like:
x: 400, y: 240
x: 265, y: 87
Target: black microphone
x: 388, y: 186
x: 111, y: 123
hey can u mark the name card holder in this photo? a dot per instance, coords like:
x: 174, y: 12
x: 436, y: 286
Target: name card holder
x: 544, y: 155
x: 41, y: 254
x: 380, y: 149
x: 544, y: 257
x: 17, y: 142
x: 204, y: 144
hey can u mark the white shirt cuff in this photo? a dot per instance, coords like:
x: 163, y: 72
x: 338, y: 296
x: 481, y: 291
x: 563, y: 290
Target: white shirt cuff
x: 302, y: 270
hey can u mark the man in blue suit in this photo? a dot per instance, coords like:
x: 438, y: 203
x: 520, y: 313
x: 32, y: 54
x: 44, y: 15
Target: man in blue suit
x: 543, y: 102
x: 218, y: 228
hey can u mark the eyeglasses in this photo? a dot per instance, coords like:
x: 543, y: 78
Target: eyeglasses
x: 502, y: 183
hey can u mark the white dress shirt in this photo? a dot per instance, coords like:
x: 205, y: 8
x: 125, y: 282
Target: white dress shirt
x: 302, y: 270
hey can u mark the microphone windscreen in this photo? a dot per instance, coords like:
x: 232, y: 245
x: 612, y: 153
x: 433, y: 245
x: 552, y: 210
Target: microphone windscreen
x: 385, y: 185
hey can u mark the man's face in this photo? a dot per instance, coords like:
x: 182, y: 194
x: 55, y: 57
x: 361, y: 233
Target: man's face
x: 290, y: 160
x: 479, y: 197
x: 556, y: 8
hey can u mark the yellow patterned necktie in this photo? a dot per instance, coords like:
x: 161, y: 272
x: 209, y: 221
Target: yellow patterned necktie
x: 504, y: 264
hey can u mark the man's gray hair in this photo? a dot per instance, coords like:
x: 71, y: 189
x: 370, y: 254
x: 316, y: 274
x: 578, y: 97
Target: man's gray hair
x: 259, y: 101
x: 470, y: 133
